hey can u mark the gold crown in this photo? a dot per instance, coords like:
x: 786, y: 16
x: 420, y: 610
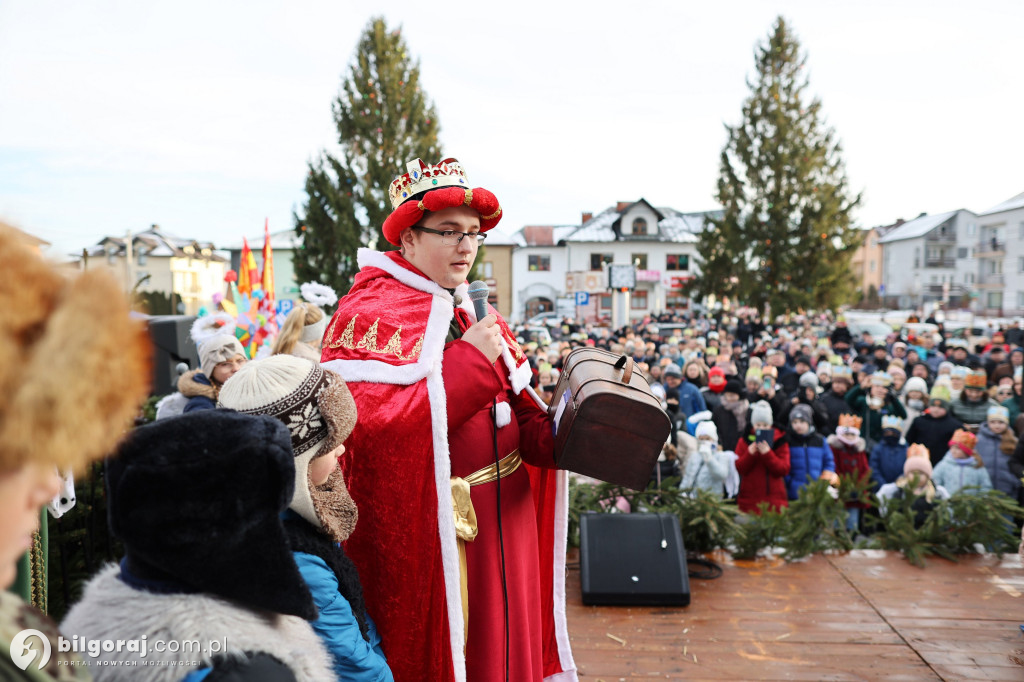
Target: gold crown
x: 423, y: 176
x: 851, y: 420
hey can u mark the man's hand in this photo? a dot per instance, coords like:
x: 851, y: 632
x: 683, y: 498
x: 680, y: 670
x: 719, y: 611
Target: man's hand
x: 485, y: 335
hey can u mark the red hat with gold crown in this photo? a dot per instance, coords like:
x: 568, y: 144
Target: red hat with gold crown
x: 434, y: 187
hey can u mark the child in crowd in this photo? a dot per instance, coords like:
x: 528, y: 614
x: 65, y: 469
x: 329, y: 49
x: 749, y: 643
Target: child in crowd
x: 219, y: 358
x: 873, y: 403
x: 850, y: 452
x: 916, y: 481
x: 302, y: 332
x: 889, y: 453
x: 936, y: 426
x: 196, y: 500
x: 962, y: 467
x: 762, y: 462
x: 996, y: 447
x: 64, y: 404
x: 914, y: 399
x: 809, y: 454
x: 318, y: 409
x: 706, y: 468
x: 972, y: 406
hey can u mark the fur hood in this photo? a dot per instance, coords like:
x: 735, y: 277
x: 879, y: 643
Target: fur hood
x: 191, y: 385
x: 836, y: 444
x: 110, y: 609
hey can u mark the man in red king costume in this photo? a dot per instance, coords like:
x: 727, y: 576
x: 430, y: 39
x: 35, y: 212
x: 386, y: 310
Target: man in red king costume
x: 448, y: 430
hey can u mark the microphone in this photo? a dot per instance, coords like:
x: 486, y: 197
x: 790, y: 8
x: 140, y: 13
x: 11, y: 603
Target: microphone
x: 478, y: 294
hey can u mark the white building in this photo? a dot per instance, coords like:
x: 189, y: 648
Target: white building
x: 929, y: 259
x: 187, y: 270
x: 999, y: 248
x: 555, y: 263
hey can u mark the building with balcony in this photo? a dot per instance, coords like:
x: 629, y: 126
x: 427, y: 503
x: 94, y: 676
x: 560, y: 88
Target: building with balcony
x: 999, y: 250
x: 930, y: 259
x: 186, y: 270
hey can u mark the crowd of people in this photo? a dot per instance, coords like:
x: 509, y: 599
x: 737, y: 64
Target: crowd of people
x: 800, y: 399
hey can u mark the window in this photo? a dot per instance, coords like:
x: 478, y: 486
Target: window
x: 638, y: 299
x: 599, y: 260
x: 1020, y: 232
x: 872, y: 267
x: 639, y: 260
x: 917, y: 256
x: 640, y: 226
x: 961, y: 252
x: 141, y: 258
x: 934, y: 279
x: 994, y: 299
x: 677, y: 262
x: 539, y: 263
x: 606, y: 301
x: 971, y: 229
x: 1020, y: 264
x: 1020, y: 299
x: 488, y: 269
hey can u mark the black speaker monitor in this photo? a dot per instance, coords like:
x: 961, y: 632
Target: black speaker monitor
x: 633, y: 559
x: 172, y: 344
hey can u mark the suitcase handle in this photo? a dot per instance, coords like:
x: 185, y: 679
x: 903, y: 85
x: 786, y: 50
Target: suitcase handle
x: 625, y: 363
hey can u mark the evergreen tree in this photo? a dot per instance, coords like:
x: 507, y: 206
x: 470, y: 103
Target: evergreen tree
x: 384, y: 120
x: 785, y: 238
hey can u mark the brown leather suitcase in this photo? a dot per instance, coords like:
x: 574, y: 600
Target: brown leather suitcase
x: 610, y: 425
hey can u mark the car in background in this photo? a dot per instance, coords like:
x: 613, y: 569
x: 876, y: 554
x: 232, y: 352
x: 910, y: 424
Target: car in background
x: 878, y: 329
x: 538, y: 334
x: 550, y: 318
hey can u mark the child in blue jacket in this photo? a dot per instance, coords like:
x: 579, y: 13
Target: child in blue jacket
x: 810, y: 456
x: 318, y: 409
x: 889, y: 454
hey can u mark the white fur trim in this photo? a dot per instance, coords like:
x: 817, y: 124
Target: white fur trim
x: 110, y: 609
x: 561, y: 621
x: 445, y: 520
x: 502, y: 414
x: 368, y: 258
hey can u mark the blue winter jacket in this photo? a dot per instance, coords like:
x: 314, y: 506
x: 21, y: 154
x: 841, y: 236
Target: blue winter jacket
x: 809, y: 456
x: 887, y: 462
x: 354, y: 657
x: 690, y: 399
x: 997, y: 462
x: 953, y: 474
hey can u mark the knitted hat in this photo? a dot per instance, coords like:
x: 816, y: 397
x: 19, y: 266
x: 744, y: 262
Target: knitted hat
x: 940, y: 395
x: 706, y: 428
x: 435, y: 187
x: 808, y: 380
x: 998, y: 413
x: 672, y: 370
x: 754, y: 374
x: 716, y: 379
x: 198, y: 498
x: 965, y: 440
x: 317, y: 407
x: 824, y: 368
x: 802, y: 412
x: 733, y: 385
x: 891, y: 421
x: 218, y: 349
x: 74, y: 366
x: 761, y: 413
x: 976, y: 379
x: 945, y: 367
x: 959, y: 371
x: 918, y: 461
x: 881, y: 379
x: 915, y: 384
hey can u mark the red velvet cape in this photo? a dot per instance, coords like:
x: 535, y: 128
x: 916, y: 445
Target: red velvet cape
x: 386, y: 340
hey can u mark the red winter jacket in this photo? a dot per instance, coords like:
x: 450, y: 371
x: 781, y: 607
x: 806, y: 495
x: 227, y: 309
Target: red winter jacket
x: 762, y: 477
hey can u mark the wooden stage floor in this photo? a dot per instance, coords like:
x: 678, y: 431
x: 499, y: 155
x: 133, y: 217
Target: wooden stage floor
x: 866, y: 615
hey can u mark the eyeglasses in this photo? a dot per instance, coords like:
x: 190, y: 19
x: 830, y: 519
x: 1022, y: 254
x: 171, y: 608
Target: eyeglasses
x: 453, y: 238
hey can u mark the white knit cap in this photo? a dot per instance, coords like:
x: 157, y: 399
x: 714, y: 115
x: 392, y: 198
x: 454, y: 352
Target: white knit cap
x: 761, y: 413
x: 218, y: 349
x: 916, y: 384
x: 707, y: 428
x: 295, y: 391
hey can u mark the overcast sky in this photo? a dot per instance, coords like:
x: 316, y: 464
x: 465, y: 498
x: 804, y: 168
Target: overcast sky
x: 201, y: 116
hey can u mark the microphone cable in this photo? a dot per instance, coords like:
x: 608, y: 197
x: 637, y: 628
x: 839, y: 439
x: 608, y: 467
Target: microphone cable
x: 501, y: 537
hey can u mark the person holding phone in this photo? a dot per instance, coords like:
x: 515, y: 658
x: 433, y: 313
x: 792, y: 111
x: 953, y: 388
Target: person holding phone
x: 706, y: 468
x: 762, y: 461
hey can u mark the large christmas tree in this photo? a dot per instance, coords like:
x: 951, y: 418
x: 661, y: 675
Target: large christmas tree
x: 785, y: 237
x: 384, y: 120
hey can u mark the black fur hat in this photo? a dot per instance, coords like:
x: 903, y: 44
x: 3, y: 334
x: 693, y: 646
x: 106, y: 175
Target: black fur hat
x: 197, y: 501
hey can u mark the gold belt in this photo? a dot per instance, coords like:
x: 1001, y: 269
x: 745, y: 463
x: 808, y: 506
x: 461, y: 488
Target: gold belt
x: 465, y: 516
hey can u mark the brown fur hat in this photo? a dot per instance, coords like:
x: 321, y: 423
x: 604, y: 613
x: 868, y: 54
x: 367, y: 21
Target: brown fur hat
x: 75, y: 367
